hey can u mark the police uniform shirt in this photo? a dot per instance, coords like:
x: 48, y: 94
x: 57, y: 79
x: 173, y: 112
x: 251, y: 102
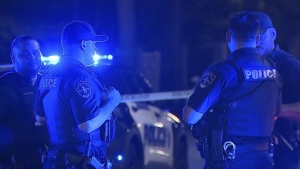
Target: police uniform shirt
x: 72, y: 96
x: 16, y: 108
x: 286, y: 145
x: 19, y: 135
x: 288, y: 66
x: 220, y: 80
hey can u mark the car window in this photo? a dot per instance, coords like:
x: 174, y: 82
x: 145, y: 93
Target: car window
x: 126, y: 81
x: 135, y: 83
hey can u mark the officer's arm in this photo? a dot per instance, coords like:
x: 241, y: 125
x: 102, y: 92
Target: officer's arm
x: 190, y: 115
x: 113, y: 100
x: 291, y: 111
x: 40, y: 119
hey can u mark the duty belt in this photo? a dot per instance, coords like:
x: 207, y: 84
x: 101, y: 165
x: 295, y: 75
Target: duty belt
x: 251, y: 147
x: 56, y: 153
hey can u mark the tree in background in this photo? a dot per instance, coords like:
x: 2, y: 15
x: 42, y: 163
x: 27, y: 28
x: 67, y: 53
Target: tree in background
x: 188, y: 34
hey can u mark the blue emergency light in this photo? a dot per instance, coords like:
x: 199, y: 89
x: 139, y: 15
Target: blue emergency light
x: 54, y: 59
x: 97, y: 58
x: 120, y: 157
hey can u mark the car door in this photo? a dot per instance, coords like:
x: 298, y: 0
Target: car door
x: 155, y: 132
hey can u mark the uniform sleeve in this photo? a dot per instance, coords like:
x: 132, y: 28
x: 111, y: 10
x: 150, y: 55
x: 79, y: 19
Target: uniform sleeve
x: 85, y: 97
x: 207, y: 91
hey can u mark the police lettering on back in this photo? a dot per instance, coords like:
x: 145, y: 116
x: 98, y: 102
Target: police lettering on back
x: 49, y: 83
x: 251, y: 74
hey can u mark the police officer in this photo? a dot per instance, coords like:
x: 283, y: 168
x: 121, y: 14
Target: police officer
x: 287, y: 131
x: 236, y: 101
x: 74, y: 104
x: 21, y: 136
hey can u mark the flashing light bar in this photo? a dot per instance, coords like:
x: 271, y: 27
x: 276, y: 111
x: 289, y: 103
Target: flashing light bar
x: 54, y: 59
x: 50, y: 60
x: 97, y: 58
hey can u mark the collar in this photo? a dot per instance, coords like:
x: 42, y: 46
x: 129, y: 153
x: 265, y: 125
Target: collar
x: 243, y: 51
x: 69, y: 60
x: 24, y: 79
x: 275, y: 50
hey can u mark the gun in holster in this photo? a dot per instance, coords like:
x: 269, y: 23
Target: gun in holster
x: 108, y: 130
x: 202, y: 147
x: 200, y: 133
x: 218, y: 158
x: 212, y: 153
x: 200, y: 129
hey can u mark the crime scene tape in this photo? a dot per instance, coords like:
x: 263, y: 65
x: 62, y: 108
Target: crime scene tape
x: 172, y: 95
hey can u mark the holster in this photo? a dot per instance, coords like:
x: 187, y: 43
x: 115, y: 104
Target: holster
x: 202, y: 147
x: 200, y: 129
x: 108, y: 130
x: 217, y: 146
x: 213, y: 153
x: 73, y: 158
x: 209, y: 134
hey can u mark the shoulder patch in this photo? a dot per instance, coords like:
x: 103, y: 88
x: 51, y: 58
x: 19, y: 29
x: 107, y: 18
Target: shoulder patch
x: 83, y: 88
x: 206, y: 79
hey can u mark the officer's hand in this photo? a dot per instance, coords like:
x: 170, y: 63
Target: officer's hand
x: 113, y: 95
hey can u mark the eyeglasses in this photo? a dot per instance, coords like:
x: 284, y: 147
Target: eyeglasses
x: 264, y: 35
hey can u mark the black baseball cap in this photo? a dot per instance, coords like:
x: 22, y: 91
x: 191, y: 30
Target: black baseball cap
x: 265, y: 22
x: 76, y: 31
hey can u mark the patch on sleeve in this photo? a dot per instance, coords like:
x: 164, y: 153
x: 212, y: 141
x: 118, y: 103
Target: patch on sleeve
x: 206, y: 79
x: 83, y: 88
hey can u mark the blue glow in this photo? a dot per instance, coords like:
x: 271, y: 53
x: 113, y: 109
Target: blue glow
x: 120, y: 157
x: 50, y: 60
x: 97, y: 58
x: 54, y: 59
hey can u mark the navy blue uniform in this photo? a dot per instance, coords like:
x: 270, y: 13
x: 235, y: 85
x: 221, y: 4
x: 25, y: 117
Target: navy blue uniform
x: 69, y: 94
x: 19, y: 135
x: 242, y: 96
x: 287, y: 152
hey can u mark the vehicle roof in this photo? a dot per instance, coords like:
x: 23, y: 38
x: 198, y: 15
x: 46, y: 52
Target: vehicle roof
x: 126, y: 80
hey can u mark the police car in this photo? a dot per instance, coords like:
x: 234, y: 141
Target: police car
x: 147, y: 136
